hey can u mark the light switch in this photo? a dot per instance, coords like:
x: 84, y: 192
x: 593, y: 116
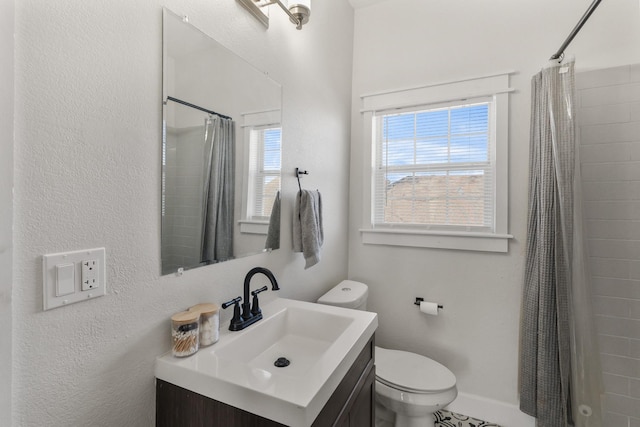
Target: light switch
x: 64, y: 279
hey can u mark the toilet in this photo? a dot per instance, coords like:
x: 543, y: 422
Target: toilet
x: 409, y: 387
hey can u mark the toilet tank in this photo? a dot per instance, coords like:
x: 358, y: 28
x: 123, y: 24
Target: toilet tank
x: 348, y: 294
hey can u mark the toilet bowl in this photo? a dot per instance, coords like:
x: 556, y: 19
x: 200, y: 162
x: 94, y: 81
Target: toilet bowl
x: 409, y: 387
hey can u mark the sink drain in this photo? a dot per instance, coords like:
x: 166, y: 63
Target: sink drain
x: 281, y: 362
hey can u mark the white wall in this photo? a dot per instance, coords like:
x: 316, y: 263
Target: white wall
x: 405, y: 43
x: 6, y: 199
x: 87, y: 174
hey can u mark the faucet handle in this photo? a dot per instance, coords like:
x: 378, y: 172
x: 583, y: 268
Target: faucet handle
x: 236, y: 300
x: 255, y: 307
x: 257, y: 291
x: 234, y: 325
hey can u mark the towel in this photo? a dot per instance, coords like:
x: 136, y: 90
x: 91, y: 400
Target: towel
x: 273, y: 233
x: 307, y: 226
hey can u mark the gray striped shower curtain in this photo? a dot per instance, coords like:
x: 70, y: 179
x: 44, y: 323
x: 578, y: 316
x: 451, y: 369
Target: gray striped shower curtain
x: 559, y: 370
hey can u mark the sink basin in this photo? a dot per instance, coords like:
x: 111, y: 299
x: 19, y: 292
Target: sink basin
x: 319, y: 342
x: 300, y: 335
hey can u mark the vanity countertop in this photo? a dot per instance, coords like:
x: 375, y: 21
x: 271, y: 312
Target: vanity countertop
x: 321, y: 342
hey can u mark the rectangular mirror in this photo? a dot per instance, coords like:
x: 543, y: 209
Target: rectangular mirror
x: 221, y: 152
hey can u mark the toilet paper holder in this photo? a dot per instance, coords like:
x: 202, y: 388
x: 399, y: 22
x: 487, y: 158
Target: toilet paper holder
x: 419, y: 300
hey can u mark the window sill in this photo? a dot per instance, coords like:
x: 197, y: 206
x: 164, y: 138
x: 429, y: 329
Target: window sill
x: 254, y: 227
x: 483, y: 242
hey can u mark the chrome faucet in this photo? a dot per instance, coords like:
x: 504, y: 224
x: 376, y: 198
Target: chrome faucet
x: 250, y: 315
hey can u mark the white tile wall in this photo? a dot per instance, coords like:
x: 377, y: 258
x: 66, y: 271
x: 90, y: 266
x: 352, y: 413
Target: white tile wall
x: 609, y: 124
x: 182, y: 223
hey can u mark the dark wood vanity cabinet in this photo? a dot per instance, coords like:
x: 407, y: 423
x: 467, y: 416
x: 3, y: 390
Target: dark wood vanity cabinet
x: 351, y: 405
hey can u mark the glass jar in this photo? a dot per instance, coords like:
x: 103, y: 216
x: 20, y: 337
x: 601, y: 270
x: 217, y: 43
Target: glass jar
x: 185, y: 333
x: 209, y: 323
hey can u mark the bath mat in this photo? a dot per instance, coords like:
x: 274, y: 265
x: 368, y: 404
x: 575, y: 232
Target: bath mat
x: 451, y: 419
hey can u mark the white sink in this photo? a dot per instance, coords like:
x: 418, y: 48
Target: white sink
x: 302, y: 335
x: 320, y: 342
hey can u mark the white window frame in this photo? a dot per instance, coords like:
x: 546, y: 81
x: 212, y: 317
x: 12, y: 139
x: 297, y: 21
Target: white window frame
x: 254, y: 121
x: 495, y: 86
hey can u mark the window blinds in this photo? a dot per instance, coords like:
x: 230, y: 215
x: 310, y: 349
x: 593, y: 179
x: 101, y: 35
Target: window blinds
x: 434, y: 167
x: 265, y: 165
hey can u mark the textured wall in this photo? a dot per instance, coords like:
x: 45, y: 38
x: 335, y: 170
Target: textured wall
x: 609, y: 114
x: 87, y: 174
x: 6, y: 199
x: 476, y: 335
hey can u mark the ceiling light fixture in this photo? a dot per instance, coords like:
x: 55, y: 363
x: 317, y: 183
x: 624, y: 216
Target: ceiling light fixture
x: 298, y: 10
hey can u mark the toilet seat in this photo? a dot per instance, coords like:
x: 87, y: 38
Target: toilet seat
x: 412, y: 372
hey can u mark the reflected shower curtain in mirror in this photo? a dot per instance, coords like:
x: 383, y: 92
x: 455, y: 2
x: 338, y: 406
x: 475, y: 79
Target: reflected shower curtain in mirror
x: 559, y: 374
x: 219, y: 185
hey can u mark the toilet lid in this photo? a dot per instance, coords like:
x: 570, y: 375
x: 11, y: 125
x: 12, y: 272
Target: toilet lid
x: 347, y: 293
x: 412, y: 372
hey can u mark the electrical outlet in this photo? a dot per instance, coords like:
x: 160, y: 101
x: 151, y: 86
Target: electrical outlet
x: 90, y: 277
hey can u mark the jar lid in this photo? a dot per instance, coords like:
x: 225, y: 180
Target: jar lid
x: 185, y: 317
x: 205, y: 308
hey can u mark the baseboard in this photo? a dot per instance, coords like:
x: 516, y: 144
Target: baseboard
x: 503, y: 414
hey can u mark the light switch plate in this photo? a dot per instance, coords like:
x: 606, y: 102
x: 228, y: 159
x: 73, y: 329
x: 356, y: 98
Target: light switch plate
x: 93, y: 273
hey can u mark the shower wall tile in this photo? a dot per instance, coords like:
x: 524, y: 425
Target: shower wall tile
x: 609, y: 268
x: 620, y: 365
x: 634, y: 111
x: 610, y: 190
x: 634, y: 388
x: 618, y: 420
x: 634, y: 309
x: 616, y: 384
x: 614, y: 210
x: 611, y: 306
x: 607, y: 286
x: 634, y: 348
x: 617, y: 113
x: 612, y: 229
x: 623, y: 405
x: 609, y: 95
x: 634, y: 73
x: 611, y: 152
x: 606, y: 77
x: 634, y: 270
x: 618, y: 326
x: 622, y: 171
x: 616, y: 249
x: 618, y: 346
x: 609, y: 131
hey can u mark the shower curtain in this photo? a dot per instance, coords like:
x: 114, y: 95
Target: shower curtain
x: 560, y: 377
x: 219, y: 185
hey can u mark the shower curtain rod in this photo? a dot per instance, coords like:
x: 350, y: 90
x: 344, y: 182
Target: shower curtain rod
x: 188, y: 104
x: 576, y: 29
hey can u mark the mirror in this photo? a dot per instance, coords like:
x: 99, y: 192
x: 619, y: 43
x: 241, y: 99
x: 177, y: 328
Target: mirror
x: 221, y: 152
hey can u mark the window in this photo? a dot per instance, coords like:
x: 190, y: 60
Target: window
x: 434, y: 167
x: 264, y: 171
x: 438, y: 157
x: 261, y: 151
